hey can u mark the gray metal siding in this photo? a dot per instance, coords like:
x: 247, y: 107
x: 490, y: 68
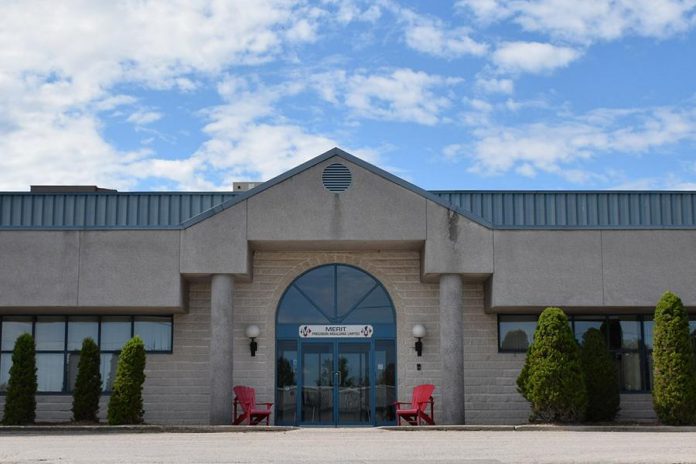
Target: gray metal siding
x: 105, y: 210
x: 578, y: 210
x: 501, y: 209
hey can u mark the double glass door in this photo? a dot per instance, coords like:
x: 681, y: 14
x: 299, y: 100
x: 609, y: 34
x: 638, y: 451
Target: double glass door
x: 336, y: 383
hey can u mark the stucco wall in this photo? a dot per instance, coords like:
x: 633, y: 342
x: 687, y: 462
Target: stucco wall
x: 399, y: 272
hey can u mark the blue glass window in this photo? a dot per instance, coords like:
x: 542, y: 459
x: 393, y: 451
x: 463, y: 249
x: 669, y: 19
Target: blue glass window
x: 295, y: 307
x: 155, y: 331
x: 115, y: 332
x: 50, y: 334
x: 335, y: 293
x: 79, y: 328
x: 57, y: 356
x: 12, y: 328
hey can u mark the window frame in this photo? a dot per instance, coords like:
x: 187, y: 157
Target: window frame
x: 509, y: 350
x: 65, y: 390
x: 643, y: 351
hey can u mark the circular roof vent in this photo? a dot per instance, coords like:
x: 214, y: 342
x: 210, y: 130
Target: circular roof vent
x: 336, y: 178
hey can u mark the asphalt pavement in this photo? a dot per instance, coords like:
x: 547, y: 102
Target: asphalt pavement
x: 351, y: 446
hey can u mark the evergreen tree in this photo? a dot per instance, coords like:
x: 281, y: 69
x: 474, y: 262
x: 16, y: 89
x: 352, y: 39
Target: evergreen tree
x: 88, y: 384
x: 552, y: 379
x: 126, y: 402
x: 674, y: 367
x: 601, y: 378
x: 20, y: 400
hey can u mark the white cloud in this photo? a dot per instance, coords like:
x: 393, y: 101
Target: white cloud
x: 59, y: 66
x: 588, y: 21
x: 348, y: 10
x: 432, y: 36
x: 532, y: 57
x: 560, y: 146
x: 142, y: 117
x: 504, y: 86
x: 153, y: 42
x: 249, y: 139
x: 401, y: 95
x: 453, y: 151
x: 63, y: 150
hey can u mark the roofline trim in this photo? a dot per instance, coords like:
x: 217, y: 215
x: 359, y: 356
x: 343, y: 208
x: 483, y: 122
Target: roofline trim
x: 334, y: 152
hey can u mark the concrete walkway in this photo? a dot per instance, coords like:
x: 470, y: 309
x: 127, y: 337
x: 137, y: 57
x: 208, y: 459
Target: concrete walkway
x: 352, y: 446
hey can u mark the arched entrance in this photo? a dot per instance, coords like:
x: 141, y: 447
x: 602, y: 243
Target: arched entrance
x: 335, y: 350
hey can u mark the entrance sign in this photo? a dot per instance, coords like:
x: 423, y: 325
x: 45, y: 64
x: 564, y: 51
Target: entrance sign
x: 336, y: 331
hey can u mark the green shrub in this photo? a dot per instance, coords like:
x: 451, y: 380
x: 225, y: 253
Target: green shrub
x: 674, y: 368
x: 126, y: 403
x: 601, y: 378
x: 20, y: 400
x: 551, y: 379
x: 88, y: 384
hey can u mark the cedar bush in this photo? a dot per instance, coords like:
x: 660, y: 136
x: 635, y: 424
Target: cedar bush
x: 88, y: 384
x: 601, y: 378
x: 674, y: 367
x: 126, y: 402
x: 552, y: 379
x: 20, y: 399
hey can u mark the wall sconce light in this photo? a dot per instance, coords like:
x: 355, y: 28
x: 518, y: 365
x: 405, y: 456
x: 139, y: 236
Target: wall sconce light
x: 253, y: 331
x: 419, y: 333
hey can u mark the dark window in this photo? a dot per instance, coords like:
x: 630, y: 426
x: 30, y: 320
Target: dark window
x: 59, y: 339
x: 628, y: 337
x: 385, y: 360
x: 515, y: 333
x: 625, y: 337
x: 286, y: 382
x: 581, y: 324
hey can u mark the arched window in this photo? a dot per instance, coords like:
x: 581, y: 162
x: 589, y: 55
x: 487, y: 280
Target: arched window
x: 335, y: 294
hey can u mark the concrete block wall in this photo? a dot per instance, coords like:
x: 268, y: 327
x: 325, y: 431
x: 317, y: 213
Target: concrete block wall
x: 490, y: 391
x: 637, y: 407
x: 399, y: 271
x: 177, y: 391
x: 176, y: 385
x: 490, y: 377
x: 56, y: 408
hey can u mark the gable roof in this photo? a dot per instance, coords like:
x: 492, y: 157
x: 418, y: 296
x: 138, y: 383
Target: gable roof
x: 493, y: 209
x: 317, y: 160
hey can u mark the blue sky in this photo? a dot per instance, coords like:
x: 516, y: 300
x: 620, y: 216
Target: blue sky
x: 468, y: 94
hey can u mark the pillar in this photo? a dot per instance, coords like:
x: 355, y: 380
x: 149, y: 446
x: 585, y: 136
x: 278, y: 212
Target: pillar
x: 221, y: 331
x: 451, y: 349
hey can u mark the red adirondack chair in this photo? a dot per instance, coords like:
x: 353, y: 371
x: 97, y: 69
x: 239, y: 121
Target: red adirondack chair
x: 415, y: 414
x: 246, y: 397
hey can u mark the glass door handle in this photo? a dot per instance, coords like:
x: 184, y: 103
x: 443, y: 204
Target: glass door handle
x: 340, y: 378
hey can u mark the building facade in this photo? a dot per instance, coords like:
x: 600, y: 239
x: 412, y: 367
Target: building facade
x: 310, y: 288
